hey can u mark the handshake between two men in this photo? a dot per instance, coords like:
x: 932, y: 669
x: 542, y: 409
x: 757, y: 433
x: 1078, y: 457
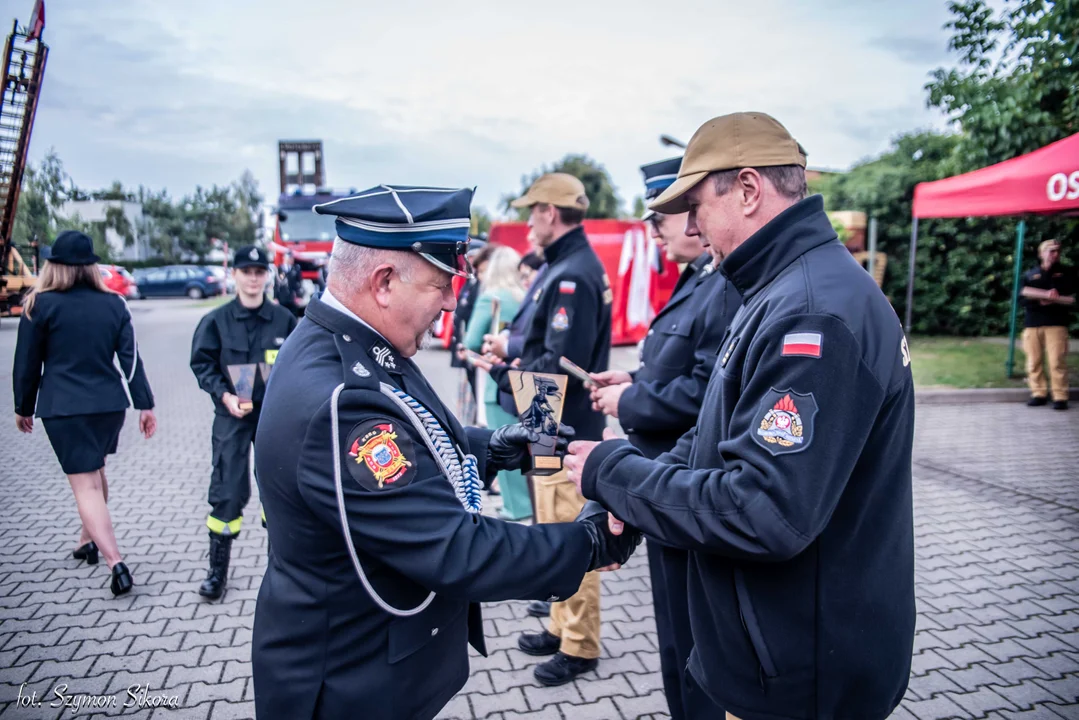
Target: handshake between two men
x: 612, y: 545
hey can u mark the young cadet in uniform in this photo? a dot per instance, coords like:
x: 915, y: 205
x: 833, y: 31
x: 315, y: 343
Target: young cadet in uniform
x: 793, y: 492
x: 571, y: 316
x: 659, y: 402
x: 372, y: 487
x: 249, y: 329
x: 1049, y: 295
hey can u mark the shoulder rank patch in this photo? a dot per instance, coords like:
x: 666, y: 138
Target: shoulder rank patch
x: 786, y: 421
x: 377, y: 457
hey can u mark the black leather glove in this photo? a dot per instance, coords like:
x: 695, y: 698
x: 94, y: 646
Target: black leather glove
x: 607, y: 548
x: 508, y: 446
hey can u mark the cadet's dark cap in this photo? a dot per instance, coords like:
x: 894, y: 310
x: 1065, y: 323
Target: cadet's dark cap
x: 430, y: 221
x: 249, y: 256
x: 73, y: 248
x: 559, y: 189
x: 658, y: 176
x: 730, y: 142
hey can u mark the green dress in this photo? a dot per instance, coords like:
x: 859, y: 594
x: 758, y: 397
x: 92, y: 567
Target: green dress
x: 516, y: 504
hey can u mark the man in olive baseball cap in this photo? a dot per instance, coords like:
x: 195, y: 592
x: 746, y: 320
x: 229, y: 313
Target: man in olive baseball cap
x: 559, y: 189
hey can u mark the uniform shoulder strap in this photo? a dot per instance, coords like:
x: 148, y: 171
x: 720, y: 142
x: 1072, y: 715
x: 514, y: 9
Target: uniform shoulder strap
x: 355, y: 365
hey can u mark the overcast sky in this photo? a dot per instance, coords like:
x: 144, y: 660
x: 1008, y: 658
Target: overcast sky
x: 169, y: 94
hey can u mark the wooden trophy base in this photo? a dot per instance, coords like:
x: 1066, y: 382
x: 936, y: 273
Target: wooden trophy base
x: 546, y: 464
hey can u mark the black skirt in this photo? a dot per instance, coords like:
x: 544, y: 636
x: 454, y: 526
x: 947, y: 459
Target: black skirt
x: 81, y: 442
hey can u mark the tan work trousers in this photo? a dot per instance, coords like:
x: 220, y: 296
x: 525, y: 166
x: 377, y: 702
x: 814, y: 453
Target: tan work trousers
x: 1038, y: 344
x: 575, y: 619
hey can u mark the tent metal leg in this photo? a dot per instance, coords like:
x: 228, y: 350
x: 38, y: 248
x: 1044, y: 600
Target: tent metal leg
x: 910, y: 279
x: 1019, y: 233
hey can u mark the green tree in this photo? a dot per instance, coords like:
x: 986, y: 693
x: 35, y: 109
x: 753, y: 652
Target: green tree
x: 639, y: 206
x: 1016, y: 87
x: 481, y: 222
x: 602, y: 197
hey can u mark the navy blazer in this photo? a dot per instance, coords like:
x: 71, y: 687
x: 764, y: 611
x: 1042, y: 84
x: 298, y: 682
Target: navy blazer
x: 64, y: 356
x: 323, y: 647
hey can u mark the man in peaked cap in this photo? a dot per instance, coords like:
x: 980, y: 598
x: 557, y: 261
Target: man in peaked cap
x: 248, y: 331
x: 792, y: 495
x: 380, y: 555
x: 569, y: 315
x: 659, y: 402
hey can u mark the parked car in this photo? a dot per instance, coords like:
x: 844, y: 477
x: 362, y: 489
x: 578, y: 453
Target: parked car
x: 179, y: 280
x: 119, y: 280
x: 224, y: 276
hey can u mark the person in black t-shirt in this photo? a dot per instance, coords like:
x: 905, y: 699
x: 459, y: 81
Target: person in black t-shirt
x: 1049, y: 296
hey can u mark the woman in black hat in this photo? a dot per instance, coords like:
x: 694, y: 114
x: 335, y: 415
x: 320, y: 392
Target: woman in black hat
x: 73, y: 326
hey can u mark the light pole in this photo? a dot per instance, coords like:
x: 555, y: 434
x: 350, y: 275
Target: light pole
x: 668, y: 141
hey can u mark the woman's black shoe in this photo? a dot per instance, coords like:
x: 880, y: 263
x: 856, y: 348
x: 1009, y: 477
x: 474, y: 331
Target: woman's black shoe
x: 121, y: 579
x: 87, y: 552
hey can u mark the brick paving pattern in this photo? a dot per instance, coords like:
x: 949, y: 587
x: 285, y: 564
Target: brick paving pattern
x: 996, y: 515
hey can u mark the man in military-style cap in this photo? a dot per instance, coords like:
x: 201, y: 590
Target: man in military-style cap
x: 792, y: 494
x: 372, y: 488
x: 659, y: 402
x: 232, y: 351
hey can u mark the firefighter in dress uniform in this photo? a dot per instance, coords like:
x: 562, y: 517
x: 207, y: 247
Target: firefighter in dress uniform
x: 372, y: 488
x: 247, y: 331
x: 659, y: 402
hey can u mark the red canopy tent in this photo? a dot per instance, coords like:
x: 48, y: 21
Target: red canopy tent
x: 1043, y: 182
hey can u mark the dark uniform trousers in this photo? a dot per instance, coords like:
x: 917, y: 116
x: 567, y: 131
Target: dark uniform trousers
x: 796, y: 479
x: 235, y: 335
x: 662, y: 404
x: 359, y: 508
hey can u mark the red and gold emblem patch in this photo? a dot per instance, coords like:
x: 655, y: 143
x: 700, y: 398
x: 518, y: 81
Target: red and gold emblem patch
x: 786, y: 423
x: 374, y: 447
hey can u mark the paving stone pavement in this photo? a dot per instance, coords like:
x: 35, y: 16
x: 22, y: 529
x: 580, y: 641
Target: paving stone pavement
x: 996, y: 515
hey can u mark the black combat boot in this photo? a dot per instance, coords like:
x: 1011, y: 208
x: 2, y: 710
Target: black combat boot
x: 213, y: 586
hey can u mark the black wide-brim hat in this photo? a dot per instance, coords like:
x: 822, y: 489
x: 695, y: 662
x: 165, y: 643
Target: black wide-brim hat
x: 73, y: 248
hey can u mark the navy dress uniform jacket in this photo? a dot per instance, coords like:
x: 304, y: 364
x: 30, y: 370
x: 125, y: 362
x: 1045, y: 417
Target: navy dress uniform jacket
x: 793, y: 493
x: 221, y: 339
x: 677, y: 357
x: 75, y: 335
x: 322, y: 646
x: 571, y: 316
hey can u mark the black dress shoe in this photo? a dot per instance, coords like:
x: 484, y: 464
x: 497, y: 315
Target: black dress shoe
x: 543, y: 643
x: 121, y: 579
x: 1060, y: 405
x: 87, y: 552
x: 1037, y: 401
x: 563, y: 668
x: 538, y: 608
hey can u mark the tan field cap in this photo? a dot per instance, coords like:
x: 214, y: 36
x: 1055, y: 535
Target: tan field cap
x: 558, y: 189
x: 729, y: 142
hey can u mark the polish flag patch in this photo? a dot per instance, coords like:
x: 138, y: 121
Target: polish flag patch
x: 567, y: 287
x: 802, y: 344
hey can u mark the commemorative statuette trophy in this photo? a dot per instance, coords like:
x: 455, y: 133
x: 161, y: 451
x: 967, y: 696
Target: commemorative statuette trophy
x: 539, y: 398
x: 243, y: 383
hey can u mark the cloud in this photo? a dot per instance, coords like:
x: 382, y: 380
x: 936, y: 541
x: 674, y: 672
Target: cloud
x: 422, y: 92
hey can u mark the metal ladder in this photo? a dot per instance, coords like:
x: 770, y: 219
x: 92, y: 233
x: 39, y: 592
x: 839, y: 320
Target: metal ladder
x: 24, y: 67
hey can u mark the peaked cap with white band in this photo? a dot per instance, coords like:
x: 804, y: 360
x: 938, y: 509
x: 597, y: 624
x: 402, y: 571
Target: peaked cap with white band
x: 430, y: 221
